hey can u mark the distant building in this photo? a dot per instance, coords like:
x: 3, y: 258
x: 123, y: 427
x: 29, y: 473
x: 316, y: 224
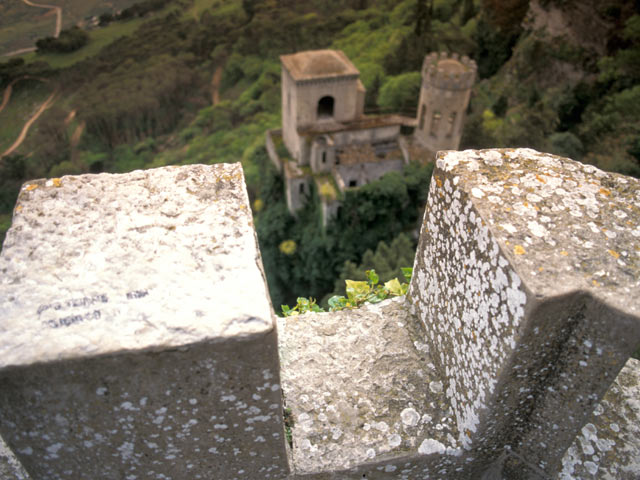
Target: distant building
x: 446, y: 89
x: 326, y: 139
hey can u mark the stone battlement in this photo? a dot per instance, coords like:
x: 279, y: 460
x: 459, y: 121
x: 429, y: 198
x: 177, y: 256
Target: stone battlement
x: 448, y: 72
x: 137, y: 339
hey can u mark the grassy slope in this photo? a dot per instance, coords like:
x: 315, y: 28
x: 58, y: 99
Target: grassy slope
x: 98, y: 39
x: 21, y: 25
x: 23, y: 103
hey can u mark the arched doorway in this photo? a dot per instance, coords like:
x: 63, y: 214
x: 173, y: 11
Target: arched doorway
x: 325, y: 107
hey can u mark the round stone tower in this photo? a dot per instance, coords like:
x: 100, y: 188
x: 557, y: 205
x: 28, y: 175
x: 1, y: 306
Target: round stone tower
x: 444, y: 97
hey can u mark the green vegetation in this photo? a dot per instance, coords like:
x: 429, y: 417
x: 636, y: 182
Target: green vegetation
x: 358, y: 294
x: 288, y: 426
x: 387, y: 261
x: 27, y: 97
x: 98, y: 39
x: 392, y: 204
x: 69, y: 40
x: 21, y: 25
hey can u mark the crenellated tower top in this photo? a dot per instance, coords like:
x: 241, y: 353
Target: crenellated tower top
x: 449, y: 72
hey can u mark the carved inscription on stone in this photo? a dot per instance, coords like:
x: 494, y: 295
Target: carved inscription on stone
x: 83, y: 302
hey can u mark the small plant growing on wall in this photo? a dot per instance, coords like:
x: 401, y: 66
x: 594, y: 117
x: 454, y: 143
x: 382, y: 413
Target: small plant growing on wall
x: 358, y: 293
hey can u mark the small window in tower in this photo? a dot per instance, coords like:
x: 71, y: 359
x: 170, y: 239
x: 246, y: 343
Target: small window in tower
x: 324, y: 157
x: 302, y: 188
x: 423, y: 113
x: 435, y: 120
x: 325, y: 107
x: 452, y: 124
x: 353, y: 183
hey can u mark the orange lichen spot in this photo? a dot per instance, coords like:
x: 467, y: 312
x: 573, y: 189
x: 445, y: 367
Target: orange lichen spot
x: 33, y: 186
x: 536, y: 207
x: 508, y: 209
x: 614, y: 254
x: 605, y: 192
x: 19, y: 208
x: 56, y: 182
x: 564, y: 252
x: 595, y: 283
x: 438, y: 182
x: 526, y: 204
x: 541, y: 269
x: 519, y: 250
x: 540, y: 179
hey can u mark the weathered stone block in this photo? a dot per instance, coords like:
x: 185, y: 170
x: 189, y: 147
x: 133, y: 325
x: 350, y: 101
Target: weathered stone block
x: 364, y: 396
x: 10, y: 467
x: 524, y: 281
x: 136, y: 333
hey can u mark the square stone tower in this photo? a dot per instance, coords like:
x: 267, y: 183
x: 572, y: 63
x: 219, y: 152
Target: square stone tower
x: 444, y: 97
x: 318, y: 87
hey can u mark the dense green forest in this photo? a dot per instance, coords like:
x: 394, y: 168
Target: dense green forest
x: 198, y: 81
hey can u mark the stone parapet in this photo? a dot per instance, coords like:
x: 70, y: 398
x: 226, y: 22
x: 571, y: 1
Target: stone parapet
x: 128, y: 348
x: 523, y: 282
x: 137, y: 339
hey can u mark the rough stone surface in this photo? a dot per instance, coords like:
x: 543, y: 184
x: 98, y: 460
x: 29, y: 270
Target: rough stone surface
x: 128, y: 347
x: 10, y: 467
x: 100, y: 263
x: 522, y: 280
x: 564, y: 224
x: 608, y: 447
x: 363, y: 393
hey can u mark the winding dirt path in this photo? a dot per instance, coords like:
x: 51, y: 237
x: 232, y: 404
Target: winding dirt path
x: 19, y: 52
x: 7, y: 91
x: 30, y: 122
x: 58, y: 11
x: 56, y: 31
x: 7, y: 94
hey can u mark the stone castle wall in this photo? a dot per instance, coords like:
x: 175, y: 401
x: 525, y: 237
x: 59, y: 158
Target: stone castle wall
x: 138, y: 340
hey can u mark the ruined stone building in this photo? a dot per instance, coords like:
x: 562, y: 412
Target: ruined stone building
x: 327, y: 140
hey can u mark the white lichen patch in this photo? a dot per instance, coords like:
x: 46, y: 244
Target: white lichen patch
x: 568, y: 216
x: 471, y: 302
x: 429, y: 446
x: 609, y: 446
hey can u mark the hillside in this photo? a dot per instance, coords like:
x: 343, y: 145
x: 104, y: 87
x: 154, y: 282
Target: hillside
x: 198, y: 81
x: 22, y: 24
